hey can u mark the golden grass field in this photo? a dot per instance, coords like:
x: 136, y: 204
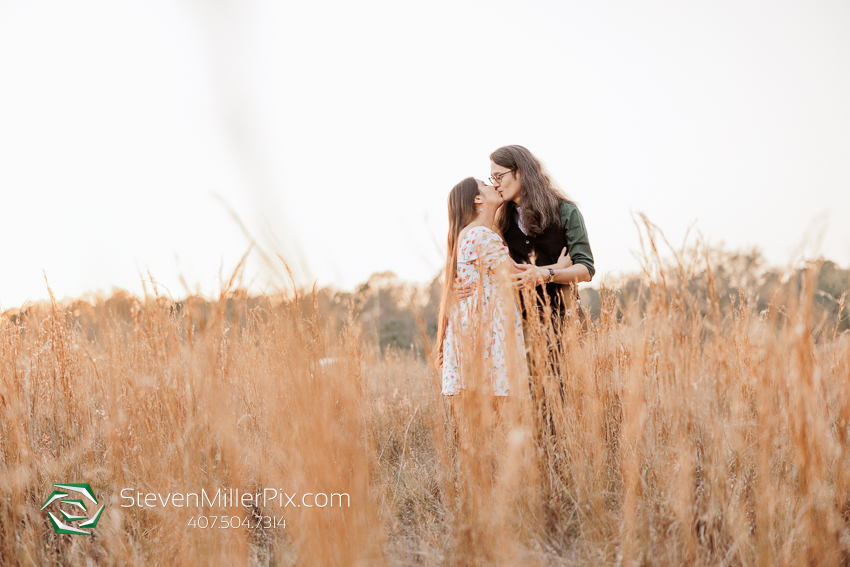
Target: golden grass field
x: 691, y: 431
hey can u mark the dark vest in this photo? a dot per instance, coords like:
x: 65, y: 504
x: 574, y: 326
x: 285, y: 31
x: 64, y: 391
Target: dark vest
x: 545, y: 247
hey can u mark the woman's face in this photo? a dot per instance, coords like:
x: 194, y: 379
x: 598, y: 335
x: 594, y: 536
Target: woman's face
x: 507, y: 185
x: 489, y: 193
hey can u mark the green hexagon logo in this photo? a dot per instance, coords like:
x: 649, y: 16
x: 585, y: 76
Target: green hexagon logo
x: 71, y: 496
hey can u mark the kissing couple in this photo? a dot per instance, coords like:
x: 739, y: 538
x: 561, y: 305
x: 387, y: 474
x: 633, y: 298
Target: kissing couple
x: 519, y: 232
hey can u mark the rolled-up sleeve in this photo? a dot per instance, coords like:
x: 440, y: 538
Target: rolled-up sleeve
x: 578, y: 244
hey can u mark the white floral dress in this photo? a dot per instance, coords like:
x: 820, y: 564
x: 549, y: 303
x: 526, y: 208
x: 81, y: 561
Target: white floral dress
x: 478, y: 254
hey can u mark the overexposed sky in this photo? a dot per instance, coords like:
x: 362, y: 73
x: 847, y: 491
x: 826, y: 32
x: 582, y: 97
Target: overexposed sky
x: 132, y: 134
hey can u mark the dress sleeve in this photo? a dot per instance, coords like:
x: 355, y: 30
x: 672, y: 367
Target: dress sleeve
x: 468, y: 249
x: 492, y: 250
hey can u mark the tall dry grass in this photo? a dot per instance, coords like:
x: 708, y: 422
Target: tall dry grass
x: 679, y: 432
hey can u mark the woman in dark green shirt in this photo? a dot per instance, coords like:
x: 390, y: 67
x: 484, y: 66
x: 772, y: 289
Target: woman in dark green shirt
x: 537, y: 222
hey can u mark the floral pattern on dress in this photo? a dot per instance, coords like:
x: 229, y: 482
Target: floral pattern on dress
x: 480, y: 251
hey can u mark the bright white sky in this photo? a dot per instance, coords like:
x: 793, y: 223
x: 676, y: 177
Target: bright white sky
x: 334, y: 131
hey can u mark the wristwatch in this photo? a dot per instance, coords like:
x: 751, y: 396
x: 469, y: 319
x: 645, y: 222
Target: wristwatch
x: 551, y: 275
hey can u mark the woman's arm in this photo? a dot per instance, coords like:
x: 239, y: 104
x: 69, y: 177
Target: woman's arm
x: 529, y: 275
x: 507, y: 269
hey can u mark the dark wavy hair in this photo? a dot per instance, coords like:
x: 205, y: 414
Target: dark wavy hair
x: 461, y: 212
x: 541, y: 199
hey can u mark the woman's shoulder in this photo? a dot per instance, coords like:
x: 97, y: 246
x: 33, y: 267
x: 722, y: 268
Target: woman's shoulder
x: 475, y: 233
x: 482, y: 231
x: 476, y: 237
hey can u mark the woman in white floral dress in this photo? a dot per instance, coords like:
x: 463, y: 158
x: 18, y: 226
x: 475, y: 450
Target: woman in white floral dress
x: 477, y: 255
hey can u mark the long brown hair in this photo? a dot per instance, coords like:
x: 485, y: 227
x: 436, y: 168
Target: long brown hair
x: 540, y: 197
x: 461, y: 203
